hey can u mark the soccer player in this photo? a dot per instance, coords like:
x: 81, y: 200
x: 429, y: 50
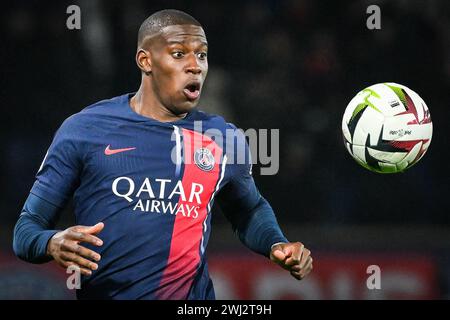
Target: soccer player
x: 143, y: 182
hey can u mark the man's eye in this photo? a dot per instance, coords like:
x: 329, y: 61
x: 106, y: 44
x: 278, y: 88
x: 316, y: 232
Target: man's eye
x: 177, y: 54
x: 202, y: 55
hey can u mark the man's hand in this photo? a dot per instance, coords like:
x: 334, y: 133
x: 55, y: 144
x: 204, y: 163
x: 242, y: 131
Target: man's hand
x: 64, y: 247
x: 294, y: 257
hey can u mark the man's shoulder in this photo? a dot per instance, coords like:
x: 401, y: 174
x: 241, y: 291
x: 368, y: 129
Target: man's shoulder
x: 214, y: 121
x: 92, y: 113
x: 105, y: 106
x: 232, y: 138
x: 201, y: 115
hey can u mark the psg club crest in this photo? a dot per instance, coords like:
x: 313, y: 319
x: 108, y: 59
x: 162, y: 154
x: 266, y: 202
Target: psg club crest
x: 204, y: 159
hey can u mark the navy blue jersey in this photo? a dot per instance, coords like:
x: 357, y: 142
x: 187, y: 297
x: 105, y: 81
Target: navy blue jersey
x: 153, y: 185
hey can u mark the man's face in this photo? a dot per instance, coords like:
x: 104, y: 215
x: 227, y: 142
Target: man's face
x: 179, y: 66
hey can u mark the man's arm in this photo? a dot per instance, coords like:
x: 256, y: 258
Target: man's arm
x: 254, y: 221
x: 35, y: 240
x: 252, y: 217
x: 34, y: 229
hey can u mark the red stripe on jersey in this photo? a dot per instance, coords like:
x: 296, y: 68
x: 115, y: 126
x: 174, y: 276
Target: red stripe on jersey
x: 184, y: 256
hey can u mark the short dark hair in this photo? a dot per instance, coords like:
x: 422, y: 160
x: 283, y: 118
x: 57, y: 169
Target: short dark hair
x: 162, y: 19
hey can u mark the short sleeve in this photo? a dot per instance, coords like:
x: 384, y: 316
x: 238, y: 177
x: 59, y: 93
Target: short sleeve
x: 58, y: 176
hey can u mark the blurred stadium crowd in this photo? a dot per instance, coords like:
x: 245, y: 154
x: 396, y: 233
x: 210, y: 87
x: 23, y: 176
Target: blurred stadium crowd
x: 291, y: 65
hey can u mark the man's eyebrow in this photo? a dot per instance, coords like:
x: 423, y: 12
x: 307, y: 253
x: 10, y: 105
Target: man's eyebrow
x: 183, y: 42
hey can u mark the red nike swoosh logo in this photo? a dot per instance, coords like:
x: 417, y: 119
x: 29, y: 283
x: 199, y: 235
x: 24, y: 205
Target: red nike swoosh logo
x: 109, y: 151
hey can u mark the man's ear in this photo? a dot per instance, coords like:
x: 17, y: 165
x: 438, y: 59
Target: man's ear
x: 143, y: 61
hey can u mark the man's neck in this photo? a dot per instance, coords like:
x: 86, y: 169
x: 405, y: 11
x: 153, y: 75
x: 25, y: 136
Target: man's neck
x: 145, y: 103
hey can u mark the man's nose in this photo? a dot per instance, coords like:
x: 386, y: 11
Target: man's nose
x: 193, y: 66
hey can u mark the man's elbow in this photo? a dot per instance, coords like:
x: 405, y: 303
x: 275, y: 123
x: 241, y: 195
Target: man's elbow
x: 23, y: 241
x: 18, y: 247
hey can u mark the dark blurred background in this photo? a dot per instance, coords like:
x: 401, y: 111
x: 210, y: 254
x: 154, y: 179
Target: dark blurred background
x: 290, y: 65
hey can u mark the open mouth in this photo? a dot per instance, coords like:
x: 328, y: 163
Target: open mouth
x: 192, y: 90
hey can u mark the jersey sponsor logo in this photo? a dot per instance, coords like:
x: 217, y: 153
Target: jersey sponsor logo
x: 146, y: 198
x: 204, y: 159
x: 109, y: 151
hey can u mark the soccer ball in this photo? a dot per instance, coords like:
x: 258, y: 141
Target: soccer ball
x: 387, y: 128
